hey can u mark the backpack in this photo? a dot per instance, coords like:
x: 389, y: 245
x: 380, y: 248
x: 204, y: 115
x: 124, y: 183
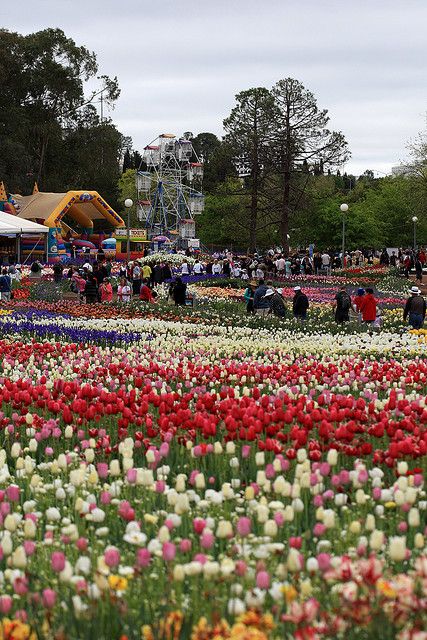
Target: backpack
x: 345, y: 301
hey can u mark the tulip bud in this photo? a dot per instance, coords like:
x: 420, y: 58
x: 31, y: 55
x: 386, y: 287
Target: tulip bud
x: 332, y: 457
x: 329, y: 518
x: 150, y: 456
x: 180, y: 482
x: 218, y: 448
x: 115, y: 468
x: 230, y: 448
x: 144, y: 477
x: 270, y: 528
x: 89, y: 455
x: 6, y: 543
x: 354, y: 527
x: 10, y: 523
x: 419, y: 541
x: 312, y: 565
x: 402, y: 468
x: 19, y: 558
x: 260, y: 458
x: 397, y: 548
x: 199, y: 481
x: 163, y: 535
x: 15, y: 450
x: 376, y: 540
x: 224, y: 529
x: 262, y: 513
x: 301, y: 455
x: 32, y: 445
x: 414, y: 517
x: 182, y: 504
x: 294, y: 560
x: 178, y: 573
x: 29, y: 528
x: 249, y: 493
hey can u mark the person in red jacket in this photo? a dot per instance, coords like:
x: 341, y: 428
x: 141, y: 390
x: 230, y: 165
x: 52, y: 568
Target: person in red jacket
x: 145, y: 293
x: 368, y: 306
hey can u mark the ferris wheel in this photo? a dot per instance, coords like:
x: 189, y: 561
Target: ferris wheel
x: 169, y: 188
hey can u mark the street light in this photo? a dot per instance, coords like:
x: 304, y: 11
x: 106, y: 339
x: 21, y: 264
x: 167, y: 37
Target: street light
x: 128, y: 205
x: 343, y: 209
x: 415, y: 220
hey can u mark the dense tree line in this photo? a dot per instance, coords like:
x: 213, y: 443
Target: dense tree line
x: 50, y: 131
x: 293, y: 186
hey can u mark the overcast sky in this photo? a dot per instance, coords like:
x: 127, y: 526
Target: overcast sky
x: 180, y: 62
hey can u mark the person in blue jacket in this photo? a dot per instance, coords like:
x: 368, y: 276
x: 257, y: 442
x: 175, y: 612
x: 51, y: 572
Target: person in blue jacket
x: 5, y: 285
x: 261, y: 303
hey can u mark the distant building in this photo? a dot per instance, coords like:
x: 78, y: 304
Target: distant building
x: 404, y: 170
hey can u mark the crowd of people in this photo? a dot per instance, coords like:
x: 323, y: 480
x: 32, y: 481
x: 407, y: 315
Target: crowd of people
x: 263, y: 299
x: 138, y: 279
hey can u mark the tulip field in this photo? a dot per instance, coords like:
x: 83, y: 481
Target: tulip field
x: 204, y: 475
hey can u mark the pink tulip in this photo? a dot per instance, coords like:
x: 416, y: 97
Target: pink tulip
x: 20, y: 585
x: 29, y: 547
x: 269, y: 471
x: 185, y: 545
x: 243, y: 526
x: 57, y: 561
x: 319, y: 529
x: 5, y: 604
x: 164, y: 449
x: 82, y: 544
x: 160, y: 486
x: 262, y: 580
x: 48, y: 598
x: 241, y: 568
x: 207, y: 540
x: 324, y: 560
x: 112, y: 557
x: 131, y: 476
x: 199, y: 525
x: 105, y: 497
x: 143, y: 557
x: 12, y: 493
x: 200, y: 557
x: 169, y: 551
x: 102, y: 469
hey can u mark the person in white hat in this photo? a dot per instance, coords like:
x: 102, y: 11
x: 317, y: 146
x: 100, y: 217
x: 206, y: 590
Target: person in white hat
x: 415, y: 308
x: 300, y: 304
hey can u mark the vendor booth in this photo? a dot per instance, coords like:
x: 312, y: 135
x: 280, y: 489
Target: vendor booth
x: 15, y: 233
x: 137, y: 242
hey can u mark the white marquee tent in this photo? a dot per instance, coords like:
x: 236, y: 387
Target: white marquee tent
x: 12, y: 226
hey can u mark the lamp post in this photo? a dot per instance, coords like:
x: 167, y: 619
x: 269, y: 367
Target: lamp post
x: 128, y: 205
x: 415, y: 220
x: 343, y: 209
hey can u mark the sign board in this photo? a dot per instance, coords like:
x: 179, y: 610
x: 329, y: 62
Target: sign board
x: 194, y: 243
x: 136, y: 235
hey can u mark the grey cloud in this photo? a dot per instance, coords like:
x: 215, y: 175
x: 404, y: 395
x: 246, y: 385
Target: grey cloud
x: 180, y: 62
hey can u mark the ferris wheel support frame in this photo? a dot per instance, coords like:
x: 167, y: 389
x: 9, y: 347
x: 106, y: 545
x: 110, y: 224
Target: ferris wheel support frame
x: 170, y: 197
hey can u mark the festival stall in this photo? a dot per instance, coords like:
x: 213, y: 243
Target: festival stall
x: 15, y: 233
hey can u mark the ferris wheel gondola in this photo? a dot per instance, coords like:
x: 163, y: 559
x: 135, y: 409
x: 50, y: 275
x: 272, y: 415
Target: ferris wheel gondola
x: 169, y: 186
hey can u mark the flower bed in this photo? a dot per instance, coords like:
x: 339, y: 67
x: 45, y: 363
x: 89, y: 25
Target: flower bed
x: 204, y: 475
